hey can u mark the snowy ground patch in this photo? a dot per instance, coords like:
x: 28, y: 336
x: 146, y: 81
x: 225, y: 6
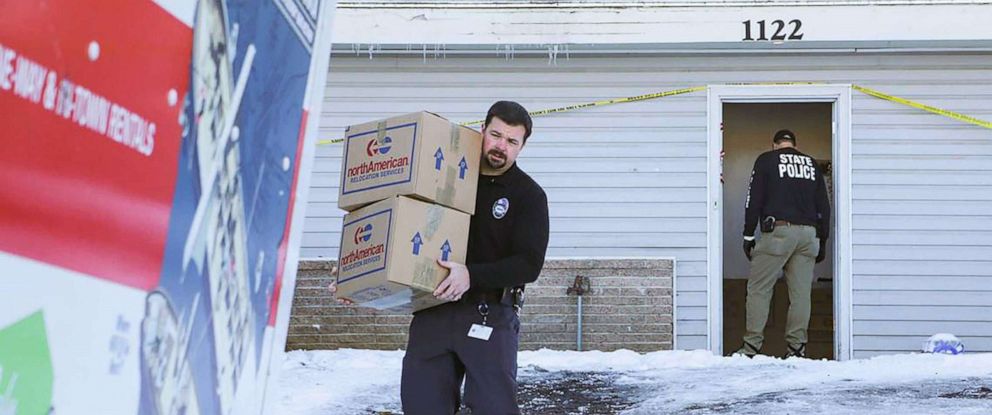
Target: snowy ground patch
x: 348, y: 381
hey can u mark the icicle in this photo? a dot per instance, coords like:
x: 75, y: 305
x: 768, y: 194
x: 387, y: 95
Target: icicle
x: 552, y: 55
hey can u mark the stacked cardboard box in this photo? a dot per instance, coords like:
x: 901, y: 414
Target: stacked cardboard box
x: 409, y: 184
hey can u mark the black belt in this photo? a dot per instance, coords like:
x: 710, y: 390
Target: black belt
x: 483, y: 297
x: 787, y: 223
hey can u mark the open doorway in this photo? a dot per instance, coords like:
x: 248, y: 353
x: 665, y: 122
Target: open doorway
x: 747, y: 132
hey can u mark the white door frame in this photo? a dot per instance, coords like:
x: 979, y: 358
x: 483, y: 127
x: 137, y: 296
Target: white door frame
x: 840, y: 96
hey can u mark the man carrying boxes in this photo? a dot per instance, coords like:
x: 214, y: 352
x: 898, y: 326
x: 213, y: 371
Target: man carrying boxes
x: 473, y: 335
x: 420, y: 173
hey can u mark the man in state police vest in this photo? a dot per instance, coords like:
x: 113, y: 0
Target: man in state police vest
x: 788, y: 196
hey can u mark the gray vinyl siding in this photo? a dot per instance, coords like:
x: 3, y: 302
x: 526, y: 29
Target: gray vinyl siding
x: 630, y: 180
x: 624, y: 181
x: 922, y: 224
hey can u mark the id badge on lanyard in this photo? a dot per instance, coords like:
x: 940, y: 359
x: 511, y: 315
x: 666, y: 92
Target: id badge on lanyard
x: 481, y: 331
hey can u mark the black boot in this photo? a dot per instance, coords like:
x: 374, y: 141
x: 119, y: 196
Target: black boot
x: 796, y: 351
x: 747, y: 349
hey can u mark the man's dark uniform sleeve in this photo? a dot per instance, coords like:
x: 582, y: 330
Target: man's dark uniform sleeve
x: 755, y: 197
x: 822, y: 206
x: 529, y: 244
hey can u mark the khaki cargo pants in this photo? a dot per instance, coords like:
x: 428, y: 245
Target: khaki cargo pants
x: 794, y: 249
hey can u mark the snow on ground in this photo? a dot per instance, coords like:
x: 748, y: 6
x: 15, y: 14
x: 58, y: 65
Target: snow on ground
x: 348, y: 381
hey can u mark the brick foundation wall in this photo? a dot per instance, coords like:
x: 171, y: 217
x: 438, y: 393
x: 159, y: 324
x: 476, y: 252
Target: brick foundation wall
x: 629, y: 306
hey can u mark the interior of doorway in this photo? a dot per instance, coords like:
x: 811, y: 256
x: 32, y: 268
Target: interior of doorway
x: 747, y: 132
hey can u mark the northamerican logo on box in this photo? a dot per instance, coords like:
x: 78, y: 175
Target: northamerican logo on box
x: 384, y: 167
x: 369, y: 236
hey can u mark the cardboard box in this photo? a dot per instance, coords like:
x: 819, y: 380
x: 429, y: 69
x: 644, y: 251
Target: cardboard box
x: 389, y: 252
x: 420, y: 155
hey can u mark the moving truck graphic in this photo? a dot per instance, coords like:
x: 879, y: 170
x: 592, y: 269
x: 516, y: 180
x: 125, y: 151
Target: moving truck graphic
x: 156, y: 161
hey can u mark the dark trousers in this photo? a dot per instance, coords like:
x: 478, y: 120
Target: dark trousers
x: 440, y: 355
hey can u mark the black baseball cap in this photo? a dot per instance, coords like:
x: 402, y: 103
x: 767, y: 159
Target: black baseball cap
x: 784, y: 135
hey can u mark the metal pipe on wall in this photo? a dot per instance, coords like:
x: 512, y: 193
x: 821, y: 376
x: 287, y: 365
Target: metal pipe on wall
x: 579, y: 287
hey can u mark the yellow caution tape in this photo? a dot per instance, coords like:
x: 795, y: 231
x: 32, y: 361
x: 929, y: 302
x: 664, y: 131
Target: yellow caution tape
x: 617, y: 101
x: 891, y: 98
x: 924, y: 107
x: 872, y: 92
x: 579, y: 106
x: 773, y: 83
x: 334, y: 141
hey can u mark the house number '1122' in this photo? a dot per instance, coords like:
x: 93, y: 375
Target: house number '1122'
x: 779, y: 29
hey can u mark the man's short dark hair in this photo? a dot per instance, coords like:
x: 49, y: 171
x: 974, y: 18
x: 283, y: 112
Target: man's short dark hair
x: 784, y: 135
x: 511, y: 113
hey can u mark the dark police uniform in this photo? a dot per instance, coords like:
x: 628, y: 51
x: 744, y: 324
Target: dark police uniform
x: 787, y: 186
x: 508, y: 238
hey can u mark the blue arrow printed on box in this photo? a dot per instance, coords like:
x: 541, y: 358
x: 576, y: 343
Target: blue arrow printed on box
x: 445, y: 249
x: 438, y: 158
x: 462, y: 166
x: 416, y: 243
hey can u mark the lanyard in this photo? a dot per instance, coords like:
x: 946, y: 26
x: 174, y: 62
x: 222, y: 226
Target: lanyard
x: 484, y: 312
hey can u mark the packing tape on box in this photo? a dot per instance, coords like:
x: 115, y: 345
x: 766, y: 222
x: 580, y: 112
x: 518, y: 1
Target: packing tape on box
x: 424, y: 271
x: 656, y: 95
x: 446, y: 194
x: 380, y: 132
x: 433, y: 220
x: 455, y: 138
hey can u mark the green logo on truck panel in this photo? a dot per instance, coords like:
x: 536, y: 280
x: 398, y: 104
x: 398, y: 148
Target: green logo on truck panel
x: 25, y: 367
